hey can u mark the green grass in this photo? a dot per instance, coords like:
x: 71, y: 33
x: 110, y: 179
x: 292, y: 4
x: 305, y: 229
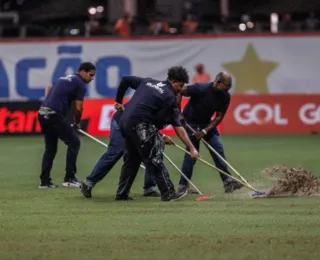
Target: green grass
x: 61, y: 224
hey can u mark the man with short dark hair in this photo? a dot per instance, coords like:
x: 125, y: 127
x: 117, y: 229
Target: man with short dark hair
x: 206, y: 99
x: 143, y: 117
x: 54, y: 124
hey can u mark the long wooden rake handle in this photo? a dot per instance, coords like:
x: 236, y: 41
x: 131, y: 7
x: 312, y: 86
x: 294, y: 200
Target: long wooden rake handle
x: 100, y: 142
x: 216, y: 153
x: 183, y: 175
x: 212, y: 166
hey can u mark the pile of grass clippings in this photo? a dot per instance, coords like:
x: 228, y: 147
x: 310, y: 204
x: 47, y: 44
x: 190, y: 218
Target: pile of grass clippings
x: 291, y: 182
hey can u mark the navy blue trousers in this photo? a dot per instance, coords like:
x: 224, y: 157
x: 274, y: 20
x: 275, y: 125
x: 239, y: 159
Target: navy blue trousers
x: 214, y: 141
x: 113, y: 154
x: 56, y: 127
x: 143, y: 143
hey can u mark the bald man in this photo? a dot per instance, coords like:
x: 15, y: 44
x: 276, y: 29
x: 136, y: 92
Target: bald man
x: 205, y: 100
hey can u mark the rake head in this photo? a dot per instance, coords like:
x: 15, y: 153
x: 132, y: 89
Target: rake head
x: 203, y: 197
x: 259, y: 194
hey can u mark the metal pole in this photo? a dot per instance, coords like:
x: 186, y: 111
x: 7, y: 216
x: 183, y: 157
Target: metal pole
x: 224, y: 8
x: 130, y: 7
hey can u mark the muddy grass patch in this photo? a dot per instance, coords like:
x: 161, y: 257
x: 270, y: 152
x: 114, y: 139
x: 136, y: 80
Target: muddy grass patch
x: 291, y: 182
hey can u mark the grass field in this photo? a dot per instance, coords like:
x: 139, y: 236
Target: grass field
x: 61, y: 224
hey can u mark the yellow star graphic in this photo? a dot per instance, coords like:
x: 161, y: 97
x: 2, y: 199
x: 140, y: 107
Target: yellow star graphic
x: 251, y: 72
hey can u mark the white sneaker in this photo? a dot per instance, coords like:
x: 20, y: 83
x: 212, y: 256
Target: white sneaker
x: 71, y: 183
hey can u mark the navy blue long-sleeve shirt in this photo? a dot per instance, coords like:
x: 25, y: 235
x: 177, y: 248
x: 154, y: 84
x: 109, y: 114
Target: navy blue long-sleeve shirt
x: 203, y: 103
x: 64, y: 91
x: 153, y: 102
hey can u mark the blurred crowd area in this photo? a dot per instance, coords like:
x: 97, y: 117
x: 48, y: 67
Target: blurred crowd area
x: 60, y: 18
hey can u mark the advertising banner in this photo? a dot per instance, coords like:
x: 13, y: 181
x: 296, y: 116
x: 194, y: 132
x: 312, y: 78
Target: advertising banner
x: 19, y: 118
x: 247, y: 114
x: 259, y: 64
x: 98, y: 114
x: 273, y: 114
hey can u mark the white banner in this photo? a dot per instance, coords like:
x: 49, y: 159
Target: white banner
x: 258, y: 64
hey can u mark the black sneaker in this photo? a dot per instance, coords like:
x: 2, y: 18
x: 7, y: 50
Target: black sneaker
x: 232, y: 186
x: 228, y: 188
x: 71, y: 182
x: 176, y: 196
x: 237, y: 185
x: 183, y: 188
x: 47, y: 184
x: 151, y: 194
x: 85, y: 190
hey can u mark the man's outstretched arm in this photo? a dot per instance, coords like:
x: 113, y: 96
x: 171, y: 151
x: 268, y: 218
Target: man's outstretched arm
x: 125, y: 83
x: 197, y: 89
x: 182, y: 134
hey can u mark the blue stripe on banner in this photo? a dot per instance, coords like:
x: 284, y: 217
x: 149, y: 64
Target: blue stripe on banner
x: 69, y: 49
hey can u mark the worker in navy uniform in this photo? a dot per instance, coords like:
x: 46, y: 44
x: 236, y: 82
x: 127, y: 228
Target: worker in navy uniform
x: 206, y: 99
x: 152, y: 101
x: 60, y: 96
x: 107, y: 161
x: 114, y: 153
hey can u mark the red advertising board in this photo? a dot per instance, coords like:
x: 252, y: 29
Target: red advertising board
x: 99, y: 113
x: 273, y: 114
x: 247, y: 114
x: 19, y: 118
